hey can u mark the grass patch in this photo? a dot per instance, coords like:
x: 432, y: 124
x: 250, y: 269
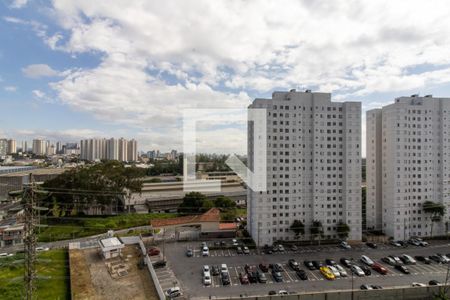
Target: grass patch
x: 70, y: 228
x: 241, y: 212
x: 52, y: 272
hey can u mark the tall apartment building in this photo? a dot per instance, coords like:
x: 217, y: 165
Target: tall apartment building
x: 39, y: 146
x: 3, y: 147
x: 413, y: 142
x: 313, y: 166
x: 12, y: 146
x: 109, y: 149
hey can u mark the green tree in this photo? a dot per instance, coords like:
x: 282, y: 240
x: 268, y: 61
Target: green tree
x: 224, y: 202
x: 101, y: 184
x: 192, y: 203
x: 298, y: 228
x: 435, y: 210
x: 207, y: 204
x: 56, y: 210
x: 342, y: 230
x: 316, y: 230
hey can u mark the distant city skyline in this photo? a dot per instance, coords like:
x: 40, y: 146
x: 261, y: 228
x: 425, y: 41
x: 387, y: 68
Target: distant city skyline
x: 60, y: 80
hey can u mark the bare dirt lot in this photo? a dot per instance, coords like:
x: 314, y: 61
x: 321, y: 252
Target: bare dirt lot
x: 90, y: 278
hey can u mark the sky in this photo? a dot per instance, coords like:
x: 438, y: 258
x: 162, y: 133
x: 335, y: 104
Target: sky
x: 79, y: 69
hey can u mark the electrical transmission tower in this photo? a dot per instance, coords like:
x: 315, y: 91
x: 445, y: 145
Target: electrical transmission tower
x: 31, y: 218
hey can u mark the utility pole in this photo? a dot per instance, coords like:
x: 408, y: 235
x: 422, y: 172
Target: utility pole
x: 31, y: 217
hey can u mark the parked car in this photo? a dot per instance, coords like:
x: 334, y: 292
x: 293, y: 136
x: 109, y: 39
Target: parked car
x: 376, y: 287
x: 423, y: 259
x: 341, y: 270
x: 264, y: 268
x: 327, y: 273
x: 215, y: 270
x: 207, y: 278
x: 347, y: 262
x: 205, y: 268
x: 283, y: 292
x: 271, y: 293
x: 276, y: 267
x: 205, y: 251
x: 294, y: 248
x: 225, y: 278
x: 433, y: 282
x: 280, y: 248
x: 389, y: 260
x: 173, y: 292
x: 380, y: 269
x: 395, y: 243
x: 246, y: 250
x: 418, y: 284
x: 189, y: 253
x: 397, y: 260
x: 302, y: 274
x: 243, y: 278
x: 330, y: 262
x: 357, y: 270
x: 436, y: 258
x: 365, y: 287
x: 277, y: 276
x: 159, y: 264
x: 317, y: 264
x: 366, y: 270
x: 262, y: 277
x: 335, y: 271
x: 371, y: 245
x: 365, y: 259
x: 234, y: 242
x: 293, y: 264
x: 223, y: 268
x: 444, y: 258
x: 152, y: 251
x: 239, y: 250
x: 309, y: 265
x: 223, y: 243
x: 344, y: 245
x: 402, y: 269
x: 407, y: 259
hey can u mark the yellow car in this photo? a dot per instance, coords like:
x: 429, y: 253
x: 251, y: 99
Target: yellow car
x: 327, y: 273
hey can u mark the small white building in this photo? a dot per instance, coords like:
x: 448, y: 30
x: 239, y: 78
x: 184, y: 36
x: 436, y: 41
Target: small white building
x: 111, y: 247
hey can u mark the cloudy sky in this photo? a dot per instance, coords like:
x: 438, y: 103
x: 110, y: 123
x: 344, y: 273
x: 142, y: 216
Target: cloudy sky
x: 73, y: 69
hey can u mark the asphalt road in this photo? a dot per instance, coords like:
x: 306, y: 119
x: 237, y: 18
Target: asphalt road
x: 189, y: 278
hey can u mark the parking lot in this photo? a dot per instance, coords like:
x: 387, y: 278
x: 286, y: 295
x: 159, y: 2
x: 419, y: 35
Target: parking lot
x: 188, y: 270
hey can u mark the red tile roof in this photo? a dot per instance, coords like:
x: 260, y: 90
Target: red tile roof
x: 227, y: 226
x: 212, y: 215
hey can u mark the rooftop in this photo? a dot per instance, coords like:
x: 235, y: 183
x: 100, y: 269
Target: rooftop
x: 42, y: 171
x: 110, y: 242
x: 212, y: 215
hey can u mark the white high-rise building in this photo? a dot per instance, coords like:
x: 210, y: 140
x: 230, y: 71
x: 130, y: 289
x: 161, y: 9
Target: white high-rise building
x: 39, y: 147
x: 313, y: 166
x: 112, y: 149
x: 408, y: 165
x: 123, y: 153
x: 132, y: 150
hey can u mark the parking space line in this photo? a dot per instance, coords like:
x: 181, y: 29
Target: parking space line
x: 314, y: 275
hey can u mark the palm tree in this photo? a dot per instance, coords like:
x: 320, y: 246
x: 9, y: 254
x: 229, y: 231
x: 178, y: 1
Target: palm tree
x: 436, y: 210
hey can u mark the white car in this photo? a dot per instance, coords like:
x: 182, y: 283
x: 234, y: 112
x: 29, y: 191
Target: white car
x: 235, y: 242
x: 173, y: 292
x: 335, y: 271
x: 207, y: 278
x: 3, y: 254
x: 205, y: 268
x: 281, y: 248
x: 416, y: 284
x: 42, y: 249
x: 341, y: 270
x: 407, y: 259
x: 365, y: 259
x: 283, y: 292
x: 205, y: 251
x: 357, y: 270
x: 223, y: 268
x: 345, y: 245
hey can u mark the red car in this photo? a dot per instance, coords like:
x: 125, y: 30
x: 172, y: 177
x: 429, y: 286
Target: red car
x: 264, y: 268
x: 243, y: 278
x: 379, y: 268
x: 153, y: 251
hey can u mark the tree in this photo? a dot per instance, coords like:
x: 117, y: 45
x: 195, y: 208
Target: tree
x: 224, y: 202
x: 192, y: 203
x: 436, y: 210
x: 298, y: 228
x: 316, y: 229
x: 102, y: 184
x: 342, y: 230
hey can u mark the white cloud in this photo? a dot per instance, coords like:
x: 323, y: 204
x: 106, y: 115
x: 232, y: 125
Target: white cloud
x: 10, y: 88
x: 39, y: 70
x: 18, y: 3
x: 66, y: 135
x: 212, y: 50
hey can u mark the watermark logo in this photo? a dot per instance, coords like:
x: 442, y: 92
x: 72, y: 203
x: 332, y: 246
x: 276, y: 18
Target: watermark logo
x: 254, y: 175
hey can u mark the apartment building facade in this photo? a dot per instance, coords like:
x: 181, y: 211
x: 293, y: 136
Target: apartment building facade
x: 109, y: 149
x: 408, y: 155
x: 313, y: 166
